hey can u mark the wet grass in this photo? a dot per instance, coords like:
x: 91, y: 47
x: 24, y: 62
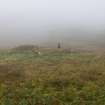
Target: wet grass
x: 52, y: 78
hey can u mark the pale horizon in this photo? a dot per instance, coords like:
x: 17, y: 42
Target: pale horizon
x: 42, y: 21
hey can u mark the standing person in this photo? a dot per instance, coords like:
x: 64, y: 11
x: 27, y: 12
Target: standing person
x: 59, y: 45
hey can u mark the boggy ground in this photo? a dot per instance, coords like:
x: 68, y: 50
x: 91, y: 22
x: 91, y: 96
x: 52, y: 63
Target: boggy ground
x: 55, y: 77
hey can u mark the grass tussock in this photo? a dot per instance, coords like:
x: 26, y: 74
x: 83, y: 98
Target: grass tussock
x: 52, y: 78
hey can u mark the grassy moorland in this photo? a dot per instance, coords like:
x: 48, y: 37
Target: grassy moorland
x: 55, y: 77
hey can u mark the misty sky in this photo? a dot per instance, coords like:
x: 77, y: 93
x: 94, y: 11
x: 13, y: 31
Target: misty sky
x: 30, y: 21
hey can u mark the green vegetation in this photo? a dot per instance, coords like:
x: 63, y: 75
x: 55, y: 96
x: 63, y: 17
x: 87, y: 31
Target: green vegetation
x: 55, y: 77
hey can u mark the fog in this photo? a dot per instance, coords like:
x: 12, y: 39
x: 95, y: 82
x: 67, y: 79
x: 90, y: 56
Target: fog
x: 47, y: 22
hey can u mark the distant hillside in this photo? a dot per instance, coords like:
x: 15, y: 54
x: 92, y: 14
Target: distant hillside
x: 25, y: 48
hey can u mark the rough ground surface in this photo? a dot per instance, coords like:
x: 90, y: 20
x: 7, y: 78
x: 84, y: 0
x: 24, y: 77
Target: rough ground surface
x: 56, y: 77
